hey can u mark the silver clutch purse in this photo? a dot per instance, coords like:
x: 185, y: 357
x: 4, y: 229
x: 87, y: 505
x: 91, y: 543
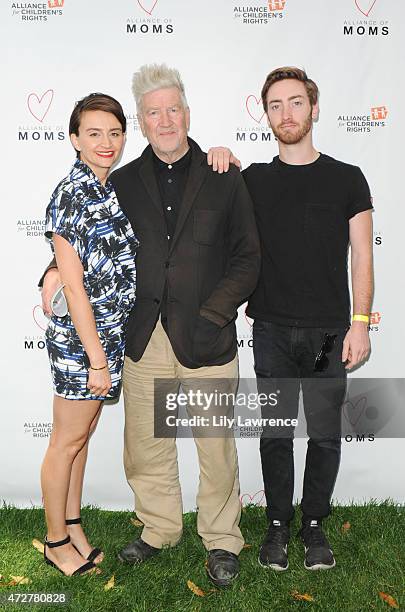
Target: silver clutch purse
x: 59, y: 304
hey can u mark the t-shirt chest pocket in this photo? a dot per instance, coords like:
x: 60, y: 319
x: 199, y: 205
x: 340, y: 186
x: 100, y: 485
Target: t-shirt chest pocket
x: 207, y: 226
x: 320, y: 219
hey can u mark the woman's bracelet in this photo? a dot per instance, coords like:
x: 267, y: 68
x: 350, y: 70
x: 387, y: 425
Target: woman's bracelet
x: 103, y: 368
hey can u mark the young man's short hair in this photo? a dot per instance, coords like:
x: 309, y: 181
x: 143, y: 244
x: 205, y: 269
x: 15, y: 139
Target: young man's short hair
x: 290, y: 72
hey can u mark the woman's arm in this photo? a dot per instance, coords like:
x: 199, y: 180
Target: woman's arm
x: 81, y: 312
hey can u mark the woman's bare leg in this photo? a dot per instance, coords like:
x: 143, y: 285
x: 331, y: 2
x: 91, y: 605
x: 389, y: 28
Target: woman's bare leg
x: 74, y: 499
x: 71, y: 426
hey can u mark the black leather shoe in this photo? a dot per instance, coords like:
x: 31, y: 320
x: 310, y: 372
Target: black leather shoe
x: 137, y: 552
x: 222, y: 567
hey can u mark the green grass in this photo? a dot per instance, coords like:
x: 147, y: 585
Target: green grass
x: 370, y: 558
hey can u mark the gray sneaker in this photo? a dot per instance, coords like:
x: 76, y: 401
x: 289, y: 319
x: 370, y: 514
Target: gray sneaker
x: 273, y: 551
x: 318, y: 553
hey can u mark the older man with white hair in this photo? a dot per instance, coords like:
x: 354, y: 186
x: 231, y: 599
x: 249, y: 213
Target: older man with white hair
x: 198, y: 260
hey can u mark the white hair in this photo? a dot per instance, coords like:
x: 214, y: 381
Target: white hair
x: 151, y: 77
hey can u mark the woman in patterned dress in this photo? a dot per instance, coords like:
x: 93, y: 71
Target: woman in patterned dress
x: 94, y: 246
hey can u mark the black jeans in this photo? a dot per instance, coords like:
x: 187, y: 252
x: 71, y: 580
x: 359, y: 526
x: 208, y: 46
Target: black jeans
x: 282, y: 352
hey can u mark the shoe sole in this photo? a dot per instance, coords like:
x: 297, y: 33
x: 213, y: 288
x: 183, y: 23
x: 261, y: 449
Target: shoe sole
x: 91, y: 570
x: 319, y: 566
x: 273, y: 566
x: 221, y: 583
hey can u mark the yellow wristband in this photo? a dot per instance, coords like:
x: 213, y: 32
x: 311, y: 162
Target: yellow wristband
x: 358, y: 317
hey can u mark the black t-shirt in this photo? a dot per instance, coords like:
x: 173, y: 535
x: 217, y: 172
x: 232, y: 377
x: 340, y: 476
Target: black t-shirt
x: 302, y: 213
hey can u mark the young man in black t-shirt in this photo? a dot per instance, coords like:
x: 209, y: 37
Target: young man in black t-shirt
x: 309, y: 207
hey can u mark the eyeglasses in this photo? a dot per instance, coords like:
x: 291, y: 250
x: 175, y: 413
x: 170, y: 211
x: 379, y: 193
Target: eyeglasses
x: 321, y: 361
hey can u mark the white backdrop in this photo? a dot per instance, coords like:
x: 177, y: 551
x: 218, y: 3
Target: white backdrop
x: 56, y: 51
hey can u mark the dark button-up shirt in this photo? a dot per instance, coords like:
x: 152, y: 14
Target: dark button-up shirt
x: 171, y: 180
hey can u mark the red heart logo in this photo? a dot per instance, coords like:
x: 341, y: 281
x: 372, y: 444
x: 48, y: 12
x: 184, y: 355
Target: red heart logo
x: 366, y: 13
x: 39, y: 106
x: 246, y: 499
x: 39, y: 317
x: 252, y: 104
x: 150, y: 9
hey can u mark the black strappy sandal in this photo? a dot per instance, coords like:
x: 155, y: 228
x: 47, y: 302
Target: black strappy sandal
x: 95, y: 552
x: 80, y: 570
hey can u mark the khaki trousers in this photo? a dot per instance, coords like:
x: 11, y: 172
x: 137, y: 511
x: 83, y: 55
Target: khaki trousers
x: 151, y: 463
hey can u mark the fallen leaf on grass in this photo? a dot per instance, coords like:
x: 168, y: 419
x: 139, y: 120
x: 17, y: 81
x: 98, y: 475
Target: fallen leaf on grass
x: 247, y: 546
x: 136, y: 522
x: 18, y: 580
x: 38, y: 545
x: 110, y: 584
x: 195, y: 589
x: 345, y: 527
x: 302, y: 596
x: 389, y: 600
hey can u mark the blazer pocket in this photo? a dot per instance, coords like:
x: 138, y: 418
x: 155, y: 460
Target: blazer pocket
x: 207, y: 226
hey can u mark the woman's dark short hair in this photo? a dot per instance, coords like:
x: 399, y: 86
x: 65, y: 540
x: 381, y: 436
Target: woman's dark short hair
x: 290, y: 72
x: 96, y: 101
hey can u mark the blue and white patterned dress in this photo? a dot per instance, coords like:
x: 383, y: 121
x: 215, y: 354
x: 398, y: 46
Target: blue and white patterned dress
x: 88, y: 216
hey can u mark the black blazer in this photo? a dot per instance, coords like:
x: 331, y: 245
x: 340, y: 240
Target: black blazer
x: 210, y: 265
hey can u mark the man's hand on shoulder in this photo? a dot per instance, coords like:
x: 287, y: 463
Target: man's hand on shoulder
x: 356, y: 345
x: 51, y: 283
x: 220, y: 158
